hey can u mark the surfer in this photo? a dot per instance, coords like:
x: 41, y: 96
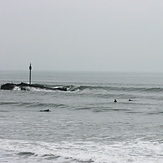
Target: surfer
x: 47, y: 110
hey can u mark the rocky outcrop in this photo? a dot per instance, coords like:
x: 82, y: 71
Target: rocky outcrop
x: 25, y: 86
x: 8, y: 86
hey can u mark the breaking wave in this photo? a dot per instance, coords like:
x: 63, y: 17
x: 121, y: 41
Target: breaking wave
x: 72, y: 88
x: 136, y: 151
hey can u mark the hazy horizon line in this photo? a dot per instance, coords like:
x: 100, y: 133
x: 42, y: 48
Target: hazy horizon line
x: 81, y: 71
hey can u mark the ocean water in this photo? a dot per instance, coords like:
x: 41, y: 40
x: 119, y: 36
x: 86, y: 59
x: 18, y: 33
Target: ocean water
x: 84, y: 125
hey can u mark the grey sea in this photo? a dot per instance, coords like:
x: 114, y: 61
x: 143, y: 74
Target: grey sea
x: 84, y: 124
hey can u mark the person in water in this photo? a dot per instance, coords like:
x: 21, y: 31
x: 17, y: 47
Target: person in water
x: 47, y: 110
x: 115, y: 100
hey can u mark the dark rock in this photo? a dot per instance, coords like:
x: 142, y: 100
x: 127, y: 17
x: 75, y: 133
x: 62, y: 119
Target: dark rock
x: 25, y: 86
x: 8, y: 86
x: 23, y: 89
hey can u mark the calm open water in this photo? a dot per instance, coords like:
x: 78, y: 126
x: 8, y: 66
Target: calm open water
x: 84, y: 125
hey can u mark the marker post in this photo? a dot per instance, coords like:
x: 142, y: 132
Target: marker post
x: 30, y: 68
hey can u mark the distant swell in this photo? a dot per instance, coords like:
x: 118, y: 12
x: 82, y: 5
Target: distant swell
x: 26, y: 153
x: 120, y: 89
x: 33, y: 104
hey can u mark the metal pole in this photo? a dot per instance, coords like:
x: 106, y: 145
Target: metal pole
x: 30, y: 68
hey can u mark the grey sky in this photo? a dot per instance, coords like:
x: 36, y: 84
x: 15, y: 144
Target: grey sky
x: 81, y: 35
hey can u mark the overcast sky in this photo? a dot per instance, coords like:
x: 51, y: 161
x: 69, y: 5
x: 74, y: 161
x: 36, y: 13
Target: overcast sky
x: 82, y: 35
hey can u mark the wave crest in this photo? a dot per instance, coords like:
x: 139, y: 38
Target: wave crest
x: 72, y: 88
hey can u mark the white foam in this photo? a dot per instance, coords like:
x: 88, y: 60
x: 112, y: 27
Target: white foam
x: 38, y: 89
x: 16, y: 88
x: 137, y: 151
